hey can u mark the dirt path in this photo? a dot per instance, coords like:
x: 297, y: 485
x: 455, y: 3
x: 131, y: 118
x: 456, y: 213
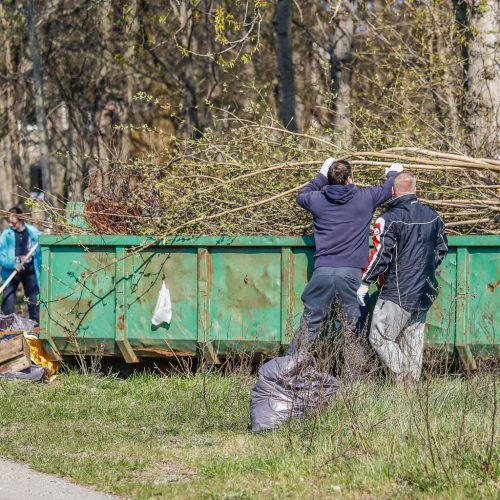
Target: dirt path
x: 19, y: 482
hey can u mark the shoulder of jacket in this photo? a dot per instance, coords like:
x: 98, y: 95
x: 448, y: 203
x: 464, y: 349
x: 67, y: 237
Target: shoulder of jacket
x: 433, y: 213
x: 364, y: 190
x: 391, y: 214
x: 32, y: 229
x: 425, y: 205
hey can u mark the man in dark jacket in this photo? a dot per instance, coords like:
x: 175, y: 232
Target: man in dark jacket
x: 409, y: 244
x: 342, y: 213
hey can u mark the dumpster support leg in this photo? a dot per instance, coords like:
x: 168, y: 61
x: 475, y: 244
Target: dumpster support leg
x: 466, y: 357
x: 463, y: 325
x: 121, y: 307
x: 287, y: 293
x: 126, y: 351
x: 208, y: 351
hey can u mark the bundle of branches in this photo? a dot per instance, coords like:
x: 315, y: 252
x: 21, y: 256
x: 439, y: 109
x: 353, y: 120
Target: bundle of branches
x: 243, y: 179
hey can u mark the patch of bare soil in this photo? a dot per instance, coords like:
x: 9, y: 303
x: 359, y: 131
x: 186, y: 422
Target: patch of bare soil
x: 163, y: 472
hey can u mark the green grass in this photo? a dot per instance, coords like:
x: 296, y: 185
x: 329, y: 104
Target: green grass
x: 188, y: 437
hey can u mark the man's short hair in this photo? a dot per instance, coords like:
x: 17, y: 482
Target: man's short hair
x: 339, y: 172
x: 15, y: 210
x: 405, y: 182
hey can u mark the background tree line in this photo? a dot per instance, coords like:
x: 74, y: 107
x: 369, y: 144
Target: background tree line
x: 84, y: 82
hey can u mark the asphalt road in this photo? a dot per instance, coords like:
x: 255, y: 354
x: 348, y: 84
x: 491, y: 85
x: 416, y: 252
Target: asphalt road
x: 19, y: 482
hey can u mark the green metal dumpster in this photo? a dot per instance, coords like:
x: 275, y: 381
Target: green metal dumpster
x: 230, y: 293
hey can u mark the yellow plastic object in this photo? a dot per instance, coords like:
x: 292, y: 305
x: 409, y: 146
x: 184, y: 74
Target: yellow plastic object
x: 39, y: 356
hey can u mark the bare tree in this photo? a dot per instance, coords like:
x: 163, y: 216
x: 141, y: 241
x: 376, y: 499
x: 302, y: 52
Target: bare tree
x: 483, y: 77
x: 133, y: 28
x: 286, y: 84
x: 41, y: 120
x: 341, y: 61
x: 184, y: 14
x: 376, y: 73
x: 12, y: 173
x: 444, y: 78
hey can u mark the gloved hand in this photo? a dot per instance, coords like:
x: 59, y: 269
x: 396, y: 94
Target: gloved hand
x: 361, y: 293
x: 19, y: 267
x: 395, y: 167
x: 326, y: 166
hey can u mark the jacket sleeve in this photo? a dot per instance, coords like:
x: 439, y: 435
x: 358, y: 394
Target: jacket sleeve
x: 34, y: 233
x: 5, y: 261
x: 384, y: 240
x: 441, y: 244
x: 305, y: 197
x: 381, y: 194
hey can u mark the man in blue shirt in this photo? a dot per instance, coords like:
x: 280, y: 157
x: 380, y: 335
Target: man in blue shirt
x: 15, y: 244
x: 342, y: 213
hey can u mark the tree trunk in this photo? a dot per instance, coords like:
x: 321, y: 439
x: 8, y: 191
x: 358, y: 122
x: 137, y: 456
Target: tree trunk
x: 286, y: 84
x: 6, y: 195
x: 341, y: 59
x: 193, y: 124
x: 449, y: 87
x: 443, y: 83
x: 98, y: 171
x: 14, y: 177
x: 41, y: 120
x: 308, y: 80
x: 483, y: 78
x: 126, y: 145
x: 461, y: 10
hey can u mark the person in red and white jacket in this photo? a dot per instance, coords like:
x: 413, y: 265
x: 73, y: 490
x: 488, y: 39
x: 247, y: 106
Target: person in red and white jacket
x: 409, y: 244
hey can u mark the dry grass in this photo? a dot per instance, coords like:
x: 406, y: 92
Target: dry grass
x: 187, y: 437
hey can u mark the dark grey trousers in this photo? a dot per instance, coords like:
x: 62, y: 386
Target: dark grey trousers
x: 327, y: 285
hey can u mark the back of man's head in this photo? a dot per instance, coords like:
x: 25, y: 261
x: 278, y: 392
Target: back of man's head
x: 405, y: 183
x: 339, y: 172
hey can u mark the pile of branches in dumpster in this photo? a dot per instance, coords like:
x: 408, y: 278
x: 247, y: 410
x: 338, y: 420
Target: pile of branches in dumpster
x: 243, y: 180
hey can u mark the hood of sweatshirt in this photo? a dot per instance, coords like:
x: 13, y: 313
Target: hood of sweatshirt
x: 340, y: 193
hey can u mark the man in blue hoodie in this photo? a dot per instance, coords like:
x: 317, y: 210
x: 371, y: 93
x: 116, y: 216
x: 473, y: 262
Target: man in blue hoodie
x: 342, y: 213
x: 15, y: 244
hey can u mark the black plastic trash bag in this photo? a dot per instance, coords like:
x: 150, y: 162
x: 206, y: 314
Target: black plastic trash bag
x: 288, y: 387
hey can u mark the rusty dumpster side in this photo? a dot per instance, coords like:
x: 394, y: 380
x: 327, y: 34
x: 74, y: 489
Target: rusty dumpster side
x: 230, y: 294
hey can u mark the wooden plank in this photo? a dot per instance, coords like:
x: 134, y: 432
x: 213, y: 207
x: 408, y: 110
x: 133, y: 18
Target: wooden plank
x: 11, y: 348
x: 16, y: 364
x: 126, y: 351
x: 14, y: 354
x: 6, y: 333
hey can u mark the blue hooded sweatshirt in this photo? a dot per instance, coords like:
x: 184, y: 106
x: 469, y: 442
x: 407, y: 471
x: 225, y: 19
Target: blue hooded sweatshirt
x: 342, y: 216
x: 8, y: 251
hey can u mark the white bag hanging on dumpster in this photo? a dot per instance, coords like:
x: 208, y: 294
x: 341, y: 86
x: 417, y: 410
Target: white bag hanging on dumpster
x: 163, y: 308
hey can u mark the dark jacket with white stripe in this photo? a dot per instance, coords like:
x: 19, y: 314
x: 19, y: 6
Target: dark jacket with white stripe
x: 409, y: 243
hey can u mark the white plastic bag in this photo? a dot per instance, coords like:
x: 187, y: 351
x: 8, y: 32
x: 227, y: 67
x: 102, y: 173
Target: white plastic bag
x: 163, y: 308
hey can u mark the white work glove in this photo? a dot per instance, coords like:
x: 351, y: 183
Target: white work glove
x: 395, y: 167
x: 361, y: 293
x: 19, y: 267
x: 326, y: 166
